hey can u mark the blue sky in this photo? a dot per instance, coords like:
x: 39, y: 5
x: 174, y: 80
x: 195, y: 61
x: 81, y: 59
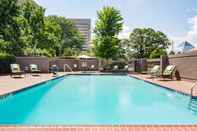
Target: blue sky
x: 176, y: 18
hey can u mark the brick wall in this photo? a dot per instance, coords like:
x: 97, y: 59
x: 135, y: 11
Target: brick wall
x: 89, y: 63
x: 42, y: 62
x: 152, y: 62
x: 186, y: 64
x: 140, y: 65
x: 132, y: 66
x: 145, y: 64
x: 79, y: 62
x: 61, y: 62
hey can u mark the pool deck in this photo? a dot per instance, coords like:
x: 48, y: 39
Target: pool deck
x: 183, y: 86
x: 9, y: 85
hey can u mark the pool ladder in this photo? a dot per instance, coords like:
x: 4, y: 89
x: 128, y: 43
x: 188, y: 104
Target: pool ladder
x: 192, y: 89
x: 193, y: 100
x: 193, y: 105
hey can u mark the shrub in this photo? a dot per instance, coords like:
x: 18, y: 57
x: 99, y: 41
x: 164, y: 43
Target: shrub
x: 38, y: 52
x: 5, y: 61
x: 120, y: 64
x: 157, y: 53
x: 71, y: 52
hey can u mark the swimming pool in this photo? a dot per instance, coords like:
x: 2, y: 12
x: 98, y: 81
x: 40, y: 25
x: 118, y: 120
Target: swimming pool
x: 96, y: 100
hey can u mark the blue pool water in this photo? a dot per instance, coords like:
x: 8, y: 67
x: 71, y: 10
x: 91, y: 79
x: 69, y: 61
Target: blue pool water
x: 96, y: 100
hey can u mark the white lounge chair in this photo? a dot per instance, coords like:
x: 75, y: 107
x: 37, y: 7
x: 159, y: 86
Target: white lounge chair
x: 16, y: 71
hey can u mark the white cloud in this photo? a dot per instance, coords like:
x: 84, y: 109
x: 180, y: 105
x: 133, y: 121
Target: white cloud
x: 124, y: 34
x: 191, y: 35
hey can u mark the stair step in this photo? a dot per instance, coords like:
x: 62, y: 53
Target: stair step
x: 193, y: 100
x: 194, y: 103
x: 193, y: 109
x: 193, y: 106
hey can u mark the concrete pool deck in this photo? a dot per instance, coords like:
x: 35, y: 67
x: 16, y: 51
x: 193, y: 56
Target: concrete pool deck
x: 9, y: 84
x: 183, y: 86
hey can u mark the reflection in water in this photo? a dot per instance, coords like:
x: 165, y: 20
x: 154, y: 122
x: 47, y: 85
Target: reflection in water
x: 16, y: 108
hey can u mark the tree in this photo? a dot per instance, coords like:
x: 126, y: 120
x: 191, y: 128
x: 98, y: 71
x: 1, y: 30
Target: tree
x: 146, y: 40
x: 9, y: 29
x: 50, y: 37
x: 107, y: 47
x: 108, y: 26
x: 126, y: 50
x: 33, y: 25
x: 70, y: 37
x: 24, y: 30
x: 71, y: 52
x: 21, y: 25
x: 157, y: 53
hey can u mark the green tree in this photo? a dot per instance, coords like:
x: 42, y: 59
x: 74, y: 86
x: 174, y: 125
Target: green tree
x: 126, y: 51
x: 24, y: 30
x: 70, y: 37
x: 71, y: 52
x: 157, y: 53
x: 146, y: 40
x: 108, y: 26
x: 37, y: 52
x: 32, y: 16
x: 50, y: 37
x: 107, y: 47
x: 9, y: 28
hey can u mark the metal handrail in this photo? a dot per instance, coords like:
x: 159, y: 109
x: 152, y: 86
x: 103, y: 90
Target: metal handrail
x: 192, y: 89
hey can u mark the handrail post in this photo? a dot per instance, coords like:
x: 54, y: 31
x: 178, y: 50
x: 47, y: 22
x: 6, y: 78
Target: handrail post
x: 192, y: 89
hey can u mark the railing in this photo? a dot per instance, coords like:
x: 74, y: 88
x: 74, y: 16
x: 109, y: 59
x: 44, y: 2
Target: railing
x: 192, y: 89
x: 66, y: 65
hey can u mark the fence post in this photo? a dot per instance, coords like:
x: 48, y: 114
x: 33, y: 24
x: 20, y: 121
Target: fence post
x: 132, y: 66
x: 143, y: 64
x: 164, y: 62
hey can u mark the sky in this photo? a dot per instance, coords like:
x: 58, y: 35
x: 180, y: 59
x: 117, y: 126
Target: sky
x: 176, y: 18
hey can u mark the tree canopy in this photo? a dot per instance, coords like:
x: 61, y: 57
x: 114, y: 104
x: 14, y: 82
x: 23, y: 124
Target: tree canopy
x: 125, y: 51
x: 25, y: 30
x: 70, y: 37
x: 108, y: 26
x: 33, y: 21
x: 148, y: 43
x: 9, y: 27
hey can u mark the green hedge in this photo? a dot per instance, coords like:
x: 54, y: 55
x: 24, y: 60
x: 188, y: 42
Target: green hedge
x: 5, y: 61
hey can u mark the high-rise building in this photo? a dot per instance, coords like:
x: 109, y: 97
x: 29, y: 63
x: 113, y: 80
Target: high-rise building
x: 184, y: 47
x: 84, y: 26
